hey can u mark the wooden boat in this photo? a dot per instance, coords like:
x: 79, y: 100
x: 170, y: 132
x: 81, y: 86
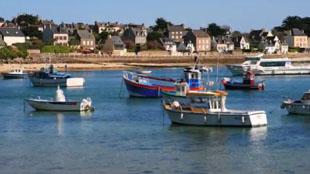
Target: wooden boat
x: 14, y: 74
x: 60, y: 103
x: 301, y: 106
x: 248, y: 83
x: 140, y: 85
x: 210, y: 111
x: 48, y: 77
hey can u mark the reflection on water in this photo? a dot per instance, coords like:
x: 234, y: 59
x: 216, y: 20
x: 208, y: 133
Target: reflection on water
x: 258, y: 134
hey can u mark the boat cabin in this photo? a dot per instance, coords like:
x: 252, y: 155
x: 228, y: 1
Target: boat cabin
x: 193, y: 77
x: 306, y: 97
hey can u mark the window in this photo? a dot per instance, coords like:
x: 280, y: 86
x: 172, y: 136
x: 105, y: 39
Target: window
x: 272, y: 64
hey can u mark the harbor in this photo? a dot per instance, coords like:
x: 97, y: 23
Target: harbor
x: 122, y: 133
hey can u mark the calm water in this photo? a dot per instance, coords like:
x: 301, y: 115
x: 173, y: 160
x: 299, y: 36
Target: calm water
x: 127, y: 135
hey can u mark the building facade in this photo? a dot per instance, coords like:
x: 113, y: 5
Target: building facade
x: 297, y: 38
x: 12, y: 35
x: 200, y: 39
x: 176, y: 33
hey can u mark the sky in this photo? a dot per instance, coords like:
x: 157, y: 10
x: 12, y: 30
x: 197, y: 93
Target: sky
x: 242, y: 15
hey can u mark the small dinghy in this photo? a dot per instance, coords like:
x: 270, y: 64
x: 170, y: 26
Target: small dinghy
x: 301, y: 107
x: 59, y: 103
x: 14, y: 74
x: 248, y: 83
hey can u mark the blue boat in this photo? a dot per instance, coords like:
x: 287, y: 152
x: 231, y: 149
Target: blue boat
x: 49, y: 77
x: 141, y: 85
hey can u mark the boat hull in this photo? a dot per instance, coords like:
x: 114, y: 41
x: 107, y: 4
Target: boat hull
x: 13, y: 76
x: 141, y: 90
x: 46, y: 105
x: 240, y: 86
x: 240, y: 119
x: 63, y: 82
x: 297, y: 108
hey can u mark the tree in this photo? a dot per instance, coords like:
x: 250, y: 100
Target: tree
x: 101, y: 37
x: 161, y: 25
x: 216, y: 30
x: 291, y: 22
x: 26, y: 20
x: 154, y: 36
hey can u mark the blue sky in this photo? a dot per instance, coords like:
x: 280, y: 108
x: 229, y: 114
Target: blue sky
x: 241, y: 15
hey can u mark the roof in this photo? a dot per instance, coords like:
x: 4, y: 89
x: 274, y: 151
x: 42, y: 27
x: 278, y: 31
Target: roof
x: 176, y: 28
x: 117, y: 40
x: 85, y: 34
x: 297, y: 32
x: 11, y: 32
x: 200, y: 33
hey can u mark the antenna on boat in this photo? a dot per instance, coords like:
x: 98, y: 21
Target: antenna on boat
x: 217, y: 73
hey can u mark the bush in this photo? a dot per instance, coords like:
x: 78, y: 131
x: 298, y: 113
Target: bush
x: 10, y: 53
x: 56, y: 49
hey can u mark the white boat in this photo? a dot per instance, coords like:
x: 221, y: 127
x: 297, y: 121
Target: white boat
x: 263, y: 66
x: 212, y: 112
x: 60, y: 103
x: 301, y: 106
x: 14, y: 74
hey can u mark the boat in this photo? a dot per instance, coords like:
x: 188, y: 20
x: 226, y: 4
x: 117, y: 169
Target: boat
x: 49, y: 77
x: 263, y: 66
x: 213, y: 112
x: 301, y: 107
x: 141, y: 85
x: 248, y: 83
x: 59, y: 103
x: 14, y: 74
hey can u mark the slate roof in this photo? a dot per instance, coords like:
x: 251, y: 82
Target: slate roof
x: 117, y: 40
x: 11, y: 32
x: 176, y: 28
x: 85, y: 34
x: 200, y: 33
x: 297, y: 32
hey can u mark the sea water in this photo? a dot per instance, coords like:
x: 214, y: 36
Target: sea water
x: 132, y: 135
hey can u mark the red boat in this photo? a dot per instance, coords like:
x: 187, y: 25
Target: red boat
x: 248, y: 83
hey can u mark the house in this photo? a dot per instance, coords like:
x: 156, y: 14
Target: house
x: 135, y: 33
x: 244, y: 43
x: 224, y: 44
x: 87, y: 39
x: 176, y: 32
x: 12, y: 35
x: 114, y: 45
x: 297, y: 38
x: 109, y: 27
x: 200, y: 39
x: 55, y: 36
x: 47, y: 24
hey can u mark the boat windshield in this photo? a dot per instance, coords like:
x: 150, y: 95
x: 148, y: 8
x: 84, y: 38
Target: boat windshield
x: 273, y: 64
x: 306, y: 96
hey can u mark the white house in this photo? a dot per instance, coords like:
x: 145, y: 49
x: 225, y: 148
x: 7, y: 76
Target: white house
x: 244, y: 43
x: 12, y: 35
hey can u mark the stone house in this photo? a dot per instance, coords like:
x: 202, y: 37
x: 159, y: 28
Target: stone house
x: 87, y: 39
x: 200, y: 39
x: 297, y: 38
x: 135, y: 33
x: 114, y: 45
x: 55, y: 36
x: 223, y: 44
x: 12, y: 35
x: 176, y: 33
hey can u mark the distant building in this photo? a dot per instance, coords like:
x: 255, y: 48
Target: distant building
x: 114, y: 45
x: 87, y: 39
x: 47, y: 24
x: 55, y: 36
x: 176, y: 33
x: 109, y: 27
x: 200, y: 39
x: 136, y: 33
x: 297, y: 38
x: 244, y: 43
x: 12, y: 35
x: 224, y: 44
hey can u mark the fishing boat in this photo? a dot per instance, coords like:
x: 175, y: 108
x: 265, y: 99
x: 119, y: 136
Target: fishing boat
x: 208, y: 108
x: 248, y: 83
x: 301, y: 106
x: 14, y: 74
x: 141, y: 85
x: 59, y: 103
x: 263, y: 66
x: 49, y: 77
